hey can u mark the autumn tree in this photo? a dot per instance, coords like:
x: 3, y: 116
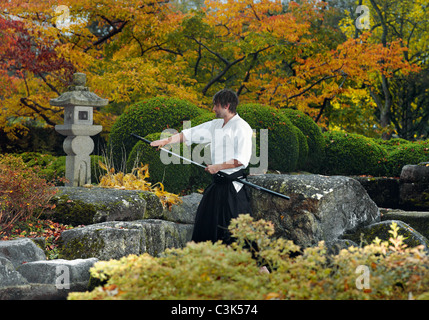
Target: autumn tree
x: 284, y: 54
x: 45, y: 43
x: 398, y: 96
x: 28, y: 62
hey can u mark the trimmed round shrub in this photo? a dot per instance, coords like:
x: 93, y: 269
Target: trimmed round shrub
x: 303, y: 149
x: 406, y: 153
x: 208, y: 116
x: 312, y: 132
x: 352, y: 154
x: 145, y: 117
x: 174, y: 176
x: 391, y: 144
x: 283, y: 144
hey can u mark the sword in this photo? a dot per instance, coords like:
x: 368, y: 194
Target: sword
x: 245, y: 182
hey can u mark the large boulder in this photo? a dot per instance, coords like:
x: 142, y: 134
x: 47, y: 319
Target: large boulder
x: 115, y: 239
x: 320, y: 207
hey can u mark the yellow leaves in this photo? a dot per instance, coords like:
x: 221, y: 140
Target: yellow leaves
x: 136, y: 180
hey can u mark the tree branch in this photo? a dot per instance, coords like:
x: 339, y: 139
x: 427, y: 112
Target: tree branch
x: 108, y: 36
x: 34, y: 106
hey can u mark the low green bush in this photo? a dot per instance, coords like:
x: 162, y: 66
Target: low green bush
x: 303, y: 149
x: 283, y: 143
x: 352, y: 154
x: 391, y: 144
x: 207, y: 116
x: 406, y: 153
x: 53, y: 169
x: 145, y: 117
x: 216, y: 271
x: 314, y: 136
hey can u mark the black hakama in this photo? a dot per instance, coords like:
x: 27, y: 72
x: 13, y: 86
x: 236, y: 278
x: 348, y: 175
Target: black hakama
x: 220, y: 203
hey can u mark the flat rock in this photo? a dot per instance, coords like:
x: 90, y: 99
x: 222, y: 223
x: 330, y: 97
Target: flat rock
x: 72, y: 275
x: 115, y: 204
x: 21, y: 251
x: 115, y: 239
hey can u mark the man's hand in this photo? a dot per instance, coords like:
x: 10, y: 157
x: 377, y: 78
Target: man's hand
x: 173, y: 139
x: 159, y: 143
x: 213, y: 168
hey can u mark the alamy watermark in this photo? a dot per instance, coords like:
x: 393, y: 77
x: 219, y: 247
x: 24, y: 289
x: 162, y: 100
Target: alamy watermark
x: 363, y: 20
x: 62, y: 17
x: 363, y: 280
x: 62, y: 280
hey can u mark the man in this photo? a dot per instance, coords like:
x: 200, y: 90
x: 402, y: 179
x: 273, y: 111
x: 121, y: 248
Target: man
x: 231, y: 148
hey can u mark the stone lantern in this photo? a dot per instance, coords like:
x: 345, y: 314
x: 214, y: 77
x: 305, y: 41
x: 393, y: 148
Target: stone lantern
x: 78, y: 103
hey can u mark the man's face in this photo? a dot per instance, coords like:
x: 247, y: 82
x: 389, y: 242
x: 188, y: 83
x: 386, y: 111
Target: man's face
x: 220, y: 111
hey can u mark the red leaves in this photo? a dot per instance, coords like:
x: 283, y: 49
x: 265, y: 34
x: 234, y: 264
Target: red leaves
x: 22, y: 51
x: 33, y: 228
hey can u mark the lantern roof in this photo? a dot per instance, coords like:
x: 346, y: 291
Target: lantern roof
x: 78, y: 95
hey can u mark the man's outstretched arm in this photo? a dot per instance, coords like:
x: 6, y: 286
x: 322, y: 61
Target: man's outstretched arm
x: 170, y: 140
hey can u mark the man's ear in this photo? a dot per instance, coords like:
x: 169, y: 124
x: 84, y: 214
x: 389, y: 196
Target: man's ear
x: 227, y: 106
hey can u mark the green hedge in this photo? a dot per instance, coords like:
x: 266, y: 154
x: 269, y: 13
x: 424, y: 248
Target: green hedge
x: 303, y: 149
x: 352, y: 154
x: 406, y: 153
x: 174, y: 177
x: 283, y: 143
x: 53, y: 168
x: 313, y: 135
x: 145, y: 117
x: 202, y: 118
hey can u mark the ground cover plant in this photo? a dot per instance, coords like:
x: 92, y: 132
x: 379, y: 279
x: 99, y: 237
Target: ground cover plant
x: 215, y: 271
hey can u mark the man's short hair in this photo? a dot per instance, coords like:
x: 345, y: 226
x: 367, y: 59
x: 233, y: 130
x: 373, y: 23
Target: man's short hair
x: 225, y: 97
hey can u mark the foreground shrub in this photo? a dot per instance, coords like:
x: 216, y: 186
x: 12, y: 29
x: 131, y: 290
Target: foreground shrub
x: 216, y: 271
x: 23, y: 194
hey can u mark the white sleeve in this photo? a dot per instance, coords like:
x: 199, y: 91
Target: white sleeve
x: 243, y: 145
x: 198, y: 134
